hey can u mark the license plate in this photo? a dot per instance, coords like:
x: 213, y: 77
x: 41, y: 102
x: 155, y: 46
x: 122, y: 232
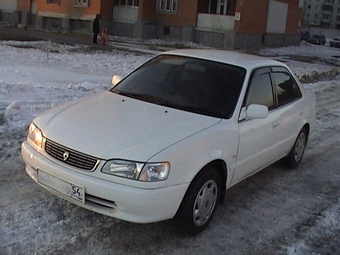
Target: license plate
x: 72, y: 190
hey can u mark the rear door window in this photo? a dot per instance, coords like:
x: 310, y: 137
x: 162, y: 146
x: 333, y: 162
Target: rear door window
x: 286, y: 88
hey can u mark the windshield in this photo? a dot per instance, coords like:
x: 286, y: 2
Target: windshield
x: 189, y: 84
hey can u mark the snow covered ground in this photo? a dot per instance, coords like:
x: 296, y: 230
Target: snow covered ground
x: 274, y: 212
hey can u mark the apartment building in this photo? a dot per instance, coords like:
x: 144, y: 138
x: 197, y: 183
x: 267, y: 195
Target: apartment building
x: 227, y: 24
x: 322, y: 13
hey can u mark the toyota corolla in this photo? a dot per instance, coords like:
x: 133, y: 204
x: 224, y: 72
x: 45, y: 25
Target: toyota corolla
x: 169, y: 139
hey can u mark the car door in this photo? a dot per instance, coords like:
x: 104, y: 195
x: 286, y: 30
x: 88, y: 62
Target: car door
x: 257, y: 137
x: 290, y: 106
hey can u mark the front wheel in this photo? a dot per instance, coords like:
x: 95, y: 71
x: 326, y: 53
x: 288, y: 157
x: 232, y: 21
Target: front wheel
x: 296, y: 154
x: 199, y: 203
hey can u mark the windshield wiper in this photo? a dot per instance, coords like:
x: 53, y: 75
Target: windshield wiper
x: 204, y: 111
x: 144, y: 97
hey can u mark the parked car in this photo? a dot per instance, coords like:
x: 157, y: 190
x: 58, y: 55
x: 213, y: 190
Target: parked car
x: 169, y: 139
x: 304, y: 35
x: 317, y: 39
x: 335, y: 42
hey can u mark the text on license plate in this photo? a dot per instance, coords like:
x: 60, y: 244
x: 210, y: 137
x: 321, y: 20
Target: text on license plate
x: 69, y: 189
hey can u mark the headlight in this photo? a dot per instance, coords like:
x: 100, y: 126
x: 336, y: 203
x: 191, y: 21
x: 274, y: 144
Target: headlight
x: 137, y: 170
x: 155, y: 172
x: 35, y: 135
x: 128, y: 169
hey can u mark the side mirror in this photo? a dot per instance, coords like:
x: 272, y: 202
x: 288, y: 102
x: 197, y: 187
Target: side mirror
x: 115, y: 79
x: 257, y: 111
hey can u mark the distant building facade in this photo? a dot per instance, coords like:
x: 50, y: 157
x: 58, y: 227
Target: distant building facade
x: 227, y: 24
x: 322, y: 13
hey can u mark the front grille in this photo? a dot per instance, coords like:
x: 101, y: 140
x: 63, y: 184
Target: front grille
x: 69, y: 156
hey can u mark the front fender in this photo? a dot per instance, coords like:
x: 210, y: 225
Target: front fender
x: 190, y: 155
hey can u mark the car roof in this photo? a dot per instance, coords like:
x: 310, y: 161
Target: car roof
x: 227, y: 57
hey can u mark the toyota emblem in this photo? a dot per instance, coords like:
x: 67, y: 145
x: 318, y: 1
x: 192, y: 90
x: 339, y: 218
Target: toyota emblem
x: 66, y: 155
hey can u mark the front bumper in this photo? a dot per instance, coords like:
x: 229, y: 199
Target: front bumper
x: 134, y: 204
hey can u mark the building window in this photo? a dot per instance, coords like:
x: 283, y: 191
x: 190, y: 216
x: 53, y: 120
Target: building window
x: 327, y: 8
x: 52, y: 1
x: 83, y: 3
x: 127, y: 2
x: 167, y: 6
x: 222, y: 7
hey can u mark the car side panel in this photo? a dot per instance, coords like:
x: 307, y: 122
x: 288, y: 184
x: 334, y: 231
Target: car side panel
x: 291, y: 121
x: 257, y: 144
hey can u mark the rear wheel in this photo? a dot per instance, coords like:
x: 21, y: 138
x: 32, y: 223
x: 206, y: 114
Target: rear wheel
x: 199, y: 203
x: 296, y: 154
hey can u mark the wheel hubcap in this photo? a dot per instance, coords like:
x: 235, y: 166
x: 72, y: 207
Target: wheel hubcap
x: 205, y: 202
x: 300, y: 147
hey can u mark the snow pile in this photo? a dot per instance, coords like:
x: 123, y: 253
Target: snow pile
x: 315, y: 76
x: 311, y: 63
x: 305, y: 51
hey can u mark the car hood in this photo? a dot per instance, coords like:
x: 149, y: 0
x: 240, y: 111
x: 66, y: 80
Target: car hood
x: 108, y: 125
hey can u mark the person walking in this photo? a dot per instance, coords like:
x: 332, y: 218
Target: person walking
x: 96, y: 27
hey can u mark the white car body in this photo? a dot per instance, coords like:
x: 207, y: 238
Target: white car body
x: 112, y: 126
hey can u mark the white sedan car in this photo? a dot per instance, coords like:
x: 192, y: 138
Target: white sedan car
x: 169, y: 139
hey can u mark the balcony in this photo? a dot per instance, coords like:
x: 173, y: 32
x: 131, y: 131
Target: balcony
x: 214, y: 22
x: 326, y: 12
x: 328, y: 2
x: 126, y: 14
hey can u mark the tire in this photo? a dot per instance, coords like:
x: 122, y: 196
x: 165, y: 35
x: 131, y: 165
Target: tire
x: 199, y: 203
x: 296, y: 153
